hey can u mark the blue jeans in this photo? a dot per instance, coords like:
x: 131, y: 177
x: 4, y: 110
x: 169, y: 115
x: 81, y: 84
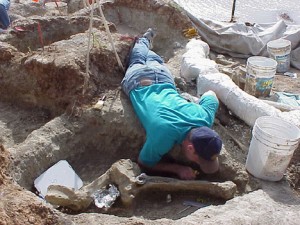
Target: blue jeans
x: 145, y: 64
x: 4, y: 18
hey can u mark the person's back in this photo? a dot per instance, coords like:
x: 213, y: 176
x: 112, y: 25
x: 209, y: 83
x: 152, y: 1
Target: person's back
x: 167, y: 117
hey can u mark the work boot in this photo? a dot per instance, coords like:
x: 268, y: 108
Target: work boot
x: 150, y: 36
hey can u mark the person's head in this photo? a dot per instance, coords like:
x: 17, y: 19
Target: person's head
x: 203, y: 145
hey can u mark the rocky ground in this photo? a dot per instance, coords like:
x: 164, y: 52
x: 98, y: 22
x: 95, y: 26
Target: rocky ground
x: 48, y: 112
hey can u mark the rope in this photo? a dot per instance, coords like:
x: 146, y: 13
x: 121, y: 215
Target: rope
x: 109, y: 36
x: 87, y: 76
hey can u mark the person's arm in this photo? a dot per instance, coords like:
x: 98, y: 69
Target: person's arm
x: 158, y: 144
x: 210, y: 103
x: 195, y: 99
x: 190, y: 98
x: 181, y: 171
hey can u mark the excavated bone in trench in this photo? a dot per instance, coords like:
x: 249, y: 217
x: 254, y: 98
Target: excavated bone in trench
x: 124, y: 173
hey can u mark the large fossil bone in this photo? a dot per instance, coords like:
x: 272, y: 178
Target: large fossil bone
x: 125, y: 175
x: 196, y: 65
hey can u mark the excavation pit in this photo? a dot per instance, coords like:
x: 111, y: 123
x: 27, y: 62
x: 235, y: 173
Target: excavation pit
x: 86, y: 152
x: 44, y: 116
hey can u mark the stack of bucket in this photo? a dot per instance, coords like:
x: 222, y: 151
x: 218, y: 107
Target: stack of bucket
x: 272, y: 146
x: 261, y: 70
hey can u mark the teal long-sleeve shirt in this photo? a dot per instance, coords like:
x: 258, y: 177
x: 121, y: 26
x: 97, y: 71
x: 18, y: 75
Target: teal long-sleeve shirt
x: 167, y: 118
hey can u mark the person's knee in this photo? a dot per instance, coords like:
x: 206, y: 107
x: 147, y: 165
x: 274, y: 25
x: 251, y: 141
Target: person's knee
x: 155, y: 57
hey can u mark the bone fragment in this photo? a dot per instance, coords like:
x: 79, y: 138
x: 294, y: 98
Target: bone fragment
x: 124, y: 174
x: 224, y: 190
x: 64, y: 196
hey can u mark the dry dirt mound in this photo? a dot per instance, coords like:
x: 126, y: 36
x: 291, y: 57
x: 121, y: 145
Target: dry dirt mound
x: 18, y: 206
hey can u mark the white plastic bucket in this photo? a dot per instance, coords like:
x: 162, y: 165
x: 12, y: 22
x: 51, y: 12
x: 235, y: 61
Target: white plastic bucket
x: 272, y: 146
x: 260, y: 75
x: 280, y: 50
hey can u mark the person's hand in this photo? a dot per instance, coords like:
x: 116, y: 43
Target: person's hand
x: 186, y: 173
x: 210, y: 92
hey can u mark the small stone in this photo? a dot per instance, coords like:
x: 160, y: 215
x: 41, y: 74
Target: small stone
x: 31, y: 220
x: 99, y: 105
x: 169, y: 198
x: 177, y: 45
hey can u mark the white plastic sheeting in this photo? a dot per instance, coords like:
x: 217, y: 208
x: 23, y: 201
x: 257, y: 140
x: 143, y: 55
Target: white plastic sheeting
x: 239, y: 40
x: 255, y: 11
x: 59, y: 174
x: 245, y: 106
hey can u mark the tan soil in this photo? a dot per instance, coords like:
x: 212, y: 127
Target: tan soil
x: 37, y: 91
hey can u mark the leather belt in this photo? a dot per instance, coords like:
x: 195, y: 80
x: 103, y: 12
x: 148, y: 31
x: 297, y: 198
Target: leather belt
x: 146, y: 82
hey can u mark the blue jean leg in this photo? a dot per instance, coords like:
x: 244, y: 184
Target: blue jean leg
x: 4, y: 18
x: 152, y: 56
x: 144, y: 63
x: 141, y: 53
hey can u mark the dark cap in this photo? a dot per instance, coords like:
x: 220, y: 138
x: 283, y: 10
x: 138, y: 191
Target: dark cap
x: 206, y: 142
